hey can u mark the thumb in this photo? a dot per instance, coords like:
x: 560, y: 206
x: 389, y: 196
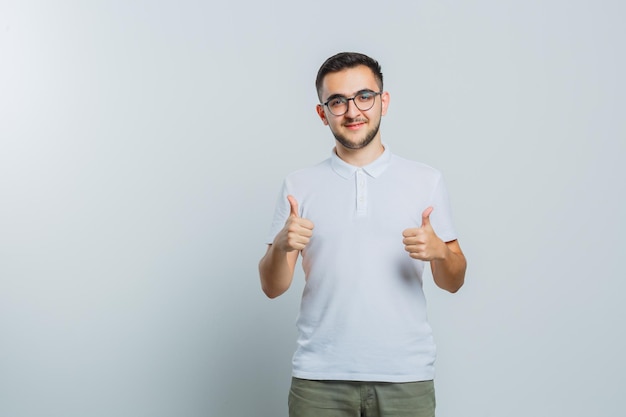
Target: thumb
x: 293, y: 203
x: 426, y: 216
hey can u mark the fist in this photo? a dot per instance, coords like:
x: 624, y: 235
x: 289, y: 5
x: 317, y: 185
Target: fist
x: 297, y: 231
x: 421, y: 242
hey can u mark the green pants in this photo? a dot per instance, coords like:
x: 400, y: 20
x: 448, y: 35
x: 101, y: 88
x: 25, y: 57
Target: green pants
x: 361, y: 399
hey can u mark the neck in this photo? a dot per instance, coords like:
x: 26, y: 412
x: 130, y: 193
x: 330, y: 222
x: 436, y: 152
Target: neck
x: 360, y: 157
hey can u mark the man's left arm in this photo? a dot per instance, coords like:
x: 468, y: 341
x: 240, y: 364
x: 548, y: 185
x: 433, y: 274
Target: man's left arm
x: 449, y: 270
x: 447, y: 262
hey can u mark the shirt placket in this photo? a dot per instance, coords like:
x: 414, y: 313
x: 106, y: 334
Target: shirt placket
x: 361, y: 193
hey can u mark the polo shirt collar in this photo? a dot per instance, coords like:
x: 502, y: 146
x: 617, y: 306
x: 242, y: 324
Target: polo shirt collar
x: 374, y: 169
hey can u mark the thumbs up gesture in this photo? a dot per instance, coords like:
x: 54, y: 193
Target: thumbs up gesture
x: 297, y: 231
x: 421, y: 242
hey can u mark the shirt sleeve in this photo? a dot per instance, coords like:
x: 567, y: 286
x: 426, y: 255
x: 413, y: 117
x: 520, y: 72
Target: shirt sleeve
x: 281, y: 212
x: 441, y: 216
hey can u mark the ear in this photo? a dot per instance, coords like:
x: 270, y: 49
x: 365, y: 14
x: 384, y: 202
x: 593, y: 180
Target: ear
x: 384, y: 98
x: 320, y: 112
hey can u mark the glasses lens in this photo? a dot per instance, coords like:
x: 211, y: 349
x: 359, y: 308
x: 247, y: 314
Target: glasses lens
x: 338, y: 106
x: 365, y: 100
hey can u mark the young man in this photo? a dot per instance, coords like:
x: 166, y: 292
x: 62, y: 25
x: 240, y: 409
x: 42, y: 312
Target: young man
x: 365, y: 222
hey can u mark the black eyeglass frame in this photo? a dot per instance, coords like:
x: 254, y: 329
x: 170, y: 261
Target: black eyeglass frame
x: 336, y: 96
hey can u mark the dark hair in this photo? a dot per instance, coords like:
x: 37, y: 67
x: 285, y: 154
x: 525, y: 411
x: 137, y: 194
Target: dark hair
x: 344, y: 60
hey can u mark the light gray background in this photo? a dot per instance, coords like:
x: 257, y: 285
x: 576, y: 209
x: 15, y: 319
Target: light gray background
x: 142, y: 148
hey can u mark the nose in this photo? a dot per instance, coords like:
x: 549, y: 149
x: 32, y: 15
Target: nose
x: 353, y: 110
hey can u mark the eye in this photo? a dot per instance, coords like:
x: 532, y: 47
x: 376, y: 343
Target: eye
x: 337, y: 101
x: 365, y: 96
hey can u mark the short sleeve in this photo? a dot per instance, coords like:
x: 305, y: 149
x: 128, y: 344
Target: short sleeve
x: 281, y: 213
x: 441, y: 217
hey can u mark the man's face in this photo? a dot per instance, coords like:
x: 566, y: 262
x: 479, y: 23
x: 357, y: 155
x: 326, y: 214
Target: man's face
x: 356, y: 128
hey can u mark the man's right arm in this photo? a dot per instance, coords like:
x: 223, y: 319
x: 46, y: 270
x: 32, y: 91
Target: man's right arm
x: 277, y: 267
x: 276, y: 270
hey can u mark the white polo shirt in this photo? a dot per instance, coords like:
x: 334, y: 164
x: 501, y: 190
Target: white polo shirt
x: 363, y: 312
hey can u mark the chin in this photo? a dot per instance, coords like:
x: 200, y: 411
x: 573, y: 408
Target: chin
x: 361, y: 143
x: 348, y: 144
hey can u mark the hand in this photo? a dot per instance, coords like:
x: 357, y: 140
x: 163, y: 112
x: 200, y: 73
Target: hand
x: 297, y: 231
x: 422, y: 243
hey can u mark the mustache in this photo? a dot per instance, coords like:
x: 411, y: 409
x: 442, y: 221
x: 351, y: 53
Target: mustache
x: 357, y: 120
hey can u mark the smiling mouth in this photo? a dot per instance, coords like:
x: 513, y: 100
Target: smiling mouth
x: 354, y: 125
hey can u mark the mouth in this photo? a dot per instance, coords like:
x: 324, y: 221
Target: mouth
x: 354, y: 125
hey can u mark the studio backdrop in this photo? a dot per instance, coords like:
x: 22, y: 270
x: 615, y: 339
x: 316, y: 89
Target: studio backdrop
x: 142, y: 149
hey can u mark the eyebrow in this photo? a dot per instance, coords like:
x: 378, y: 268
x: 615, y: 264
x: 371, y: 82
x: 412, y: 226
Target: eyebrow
x: 363, y: 90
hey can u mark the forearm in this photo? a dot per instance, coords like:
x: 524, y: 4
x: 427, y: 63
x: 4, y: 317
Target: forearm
x: 449, y: 271
x: 276, y: 270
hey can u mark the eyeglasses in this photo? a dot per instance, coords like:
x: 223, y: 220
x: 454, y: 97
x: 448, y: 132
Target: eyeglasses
x: 363, y: 100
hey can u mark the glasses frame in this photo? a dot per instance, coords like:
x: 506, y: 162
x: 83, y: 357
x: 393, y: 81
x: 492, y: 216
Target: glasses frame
x: 347, y: 99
